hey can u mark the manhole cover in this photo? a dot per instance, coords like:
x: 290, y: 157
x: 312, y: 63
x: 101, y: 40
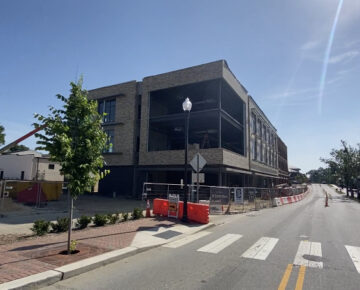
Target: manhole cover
x: 313, y: 258
x: 168, y: 234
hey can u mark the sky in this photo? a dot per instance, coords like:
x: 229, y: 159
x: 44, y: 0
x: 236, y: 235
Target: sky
x: 299, y: 60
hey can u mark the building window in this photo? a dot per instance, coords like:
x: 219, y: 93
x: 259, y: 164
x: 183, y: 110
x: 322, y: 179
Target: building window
x: 258, y: 151
x: 52, y: 166
x: 110, y: 141
x: 258, y: 128
x: 107, y: 107
x: 22, y: 175
x: 1, y: 174
x: 253, y: 123
x: 263, y: 134
x: 253, y: 151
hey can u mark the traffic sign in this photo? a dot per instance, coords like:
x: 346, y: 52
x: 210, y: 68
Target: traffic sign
x: 198, y: 162
x: 194, y: 178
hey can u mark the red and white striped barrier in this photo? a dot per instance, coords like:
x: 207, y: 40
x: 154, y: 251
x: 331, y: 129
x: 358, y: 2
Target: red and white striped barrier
x: 278, y: 201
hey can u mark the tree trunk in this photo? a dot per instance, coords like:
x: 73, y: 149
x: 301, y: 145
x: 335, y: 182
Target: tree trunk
x: 352, y: 192
x: 70, y: 222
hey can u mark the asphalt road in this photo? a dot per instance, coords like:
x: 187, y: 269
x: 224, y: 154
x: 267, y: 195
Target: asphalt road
x: 299, y: 246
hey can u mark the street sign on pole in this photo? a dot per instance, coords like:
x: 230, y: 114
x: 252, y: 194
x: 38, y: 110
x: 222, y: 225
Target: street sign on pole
x: 198, y: 178
x: 198, y: 162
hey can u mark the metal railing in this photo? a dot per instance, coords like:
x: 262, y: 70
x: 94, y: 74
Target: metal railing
x: 221, y: 198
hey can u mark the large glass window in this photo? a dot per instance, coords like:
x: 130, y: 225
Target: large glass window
x: 107, y: 107
x: 232, y: 137
x: 231, y: 103
x: 168, y: 133
x: 203, y: 95
x: 110, y: 140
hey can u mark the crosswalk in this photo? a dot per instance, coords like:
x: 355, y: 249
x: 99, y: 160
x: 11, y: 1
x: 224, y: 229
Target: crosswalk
x: 309, y: 254
x: 220, y: 244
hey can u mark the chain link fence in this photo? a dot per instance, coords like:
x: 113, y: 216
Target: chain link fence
x: 222, y: 199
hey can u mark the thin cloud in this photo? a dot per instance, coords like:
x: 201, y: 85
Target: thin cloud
x: 291, y: 94
x: 310, y: 45
x: 346, y: 56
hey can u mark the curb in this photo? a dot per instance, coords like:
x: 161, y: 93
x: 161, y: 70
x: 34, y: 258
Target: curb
x: 34, y: 281
x: 70, y: 270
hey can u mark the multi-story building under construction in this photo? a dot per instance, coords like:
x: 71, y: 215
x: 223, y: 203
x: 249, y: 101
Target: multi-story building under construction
x: 145, y: 124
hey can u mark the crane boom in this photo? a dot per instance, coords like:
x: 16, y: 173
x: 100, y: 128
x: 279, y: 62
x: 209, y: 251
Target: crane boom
x: 12, y: 144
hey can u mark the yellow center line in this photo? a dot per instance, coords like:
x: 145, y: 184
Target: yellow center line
x: 300, y: 279
x: 285, y: 278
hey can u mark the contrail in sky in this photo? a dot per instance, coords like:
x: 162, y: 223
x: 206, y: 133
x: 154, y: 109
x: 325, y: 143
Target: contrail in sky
x: 327, y: 56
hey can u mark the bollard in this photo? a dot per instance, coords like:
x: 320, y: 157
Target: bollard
x: 326, y: 201
x: 147, y: 209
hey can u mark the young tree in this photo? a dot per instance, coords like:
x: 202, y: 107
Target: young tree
x: 2, y: 135
x: 73, y: 136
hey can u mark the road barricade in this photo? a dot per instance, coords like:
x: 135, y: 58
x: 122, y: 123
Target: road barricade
x: 278, y: 201
x: 196, y: 212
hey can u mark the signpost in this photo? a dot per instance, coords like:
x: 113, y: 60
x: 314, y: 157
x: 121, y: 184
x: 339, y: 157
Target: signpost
x: 198, y: 163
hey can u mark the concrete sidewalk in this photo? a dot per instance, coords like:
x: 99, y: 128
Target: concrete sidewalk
x: 37, y: 261
x: 17, y: 219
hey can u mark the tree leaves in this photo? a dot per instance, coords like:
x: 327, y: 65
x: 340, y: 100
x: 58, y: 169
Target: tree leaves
x: 2, y: 135
x: 344, y: 163
x: 73, y: 136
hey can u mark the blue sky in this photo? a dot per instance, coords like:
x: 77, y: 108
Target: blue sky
x: 275, y: 48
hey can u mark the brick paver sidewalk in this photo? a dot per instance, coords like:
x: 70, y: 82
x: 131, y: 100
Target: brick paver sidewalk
x: 39, y: 254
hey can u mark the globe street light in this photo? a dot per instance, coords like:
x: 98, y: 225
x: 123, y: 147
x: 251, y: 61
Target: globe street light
x: 187, y: 105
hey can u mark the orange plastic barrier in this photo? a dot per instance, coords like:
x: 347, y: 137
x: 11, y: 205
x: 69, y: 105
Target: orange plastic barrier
x: 196, y: 212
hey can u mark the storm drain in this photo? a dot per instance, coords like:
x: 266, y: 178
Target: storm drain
x: 168, y: 234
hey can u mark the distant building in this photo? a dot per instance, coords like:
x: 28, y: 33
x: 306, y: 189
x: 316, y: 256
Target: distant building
x: 145, y: 124
x: 283, y: 161
x: 293, y: 173
x: 29, y: 165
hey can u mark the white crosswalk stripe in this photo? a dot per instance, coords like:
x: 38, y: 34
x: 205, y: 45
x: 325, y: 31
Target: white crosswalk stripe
x: 307, y: 248
x: 261, y: 249
x: 186, y: 240
x: 220, y: 244
x: 354, y: 253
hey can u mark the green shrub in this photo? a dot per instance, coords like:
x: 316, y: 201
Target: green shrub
x: 125, y: 216
x: 100, y: 220
x: 61, y: 225
x: 73, y: 245
x: 83, y: 221
x: 137, y: 213
x: 113, y: 218
x: 40, y: 227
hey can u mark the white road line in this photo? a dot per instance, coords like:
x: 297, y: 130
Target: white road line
x: 186, y: 240
x: 354, y: 253
x: 261, y: 249
x: 311, y: 249
x: 220, y: 244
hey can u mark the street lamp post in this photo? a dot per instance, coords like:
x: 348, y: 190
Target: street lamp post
x: 187, y: 108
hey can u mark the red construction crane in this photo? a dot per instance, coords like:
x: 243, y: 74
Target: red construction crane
x: 12, y: 144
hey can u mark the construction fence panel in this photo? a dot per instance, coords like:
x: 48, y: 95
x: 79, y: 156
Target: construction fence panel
x: 221, y: 199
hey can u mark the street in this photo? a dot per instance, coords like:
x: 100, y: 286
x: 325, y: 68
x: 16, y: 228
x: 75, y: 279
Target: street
x: 296, y: 246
